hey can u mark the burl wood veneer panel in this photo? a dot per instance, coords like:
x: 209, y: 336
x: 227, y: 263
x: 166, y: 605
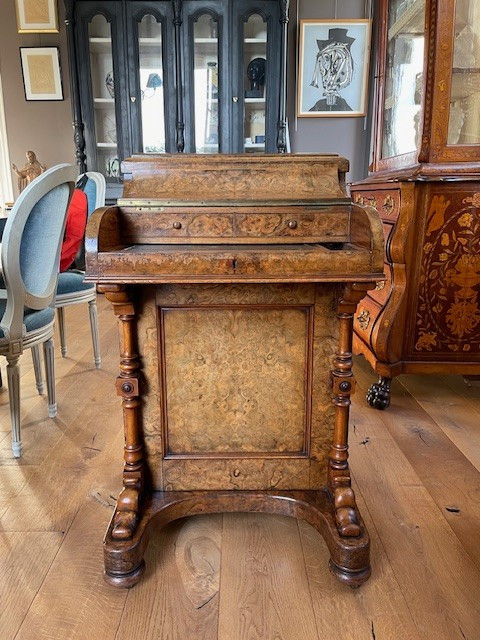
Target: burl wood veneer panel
x: 234, y: 377
x: 269, y: 177
x: 254, y: 466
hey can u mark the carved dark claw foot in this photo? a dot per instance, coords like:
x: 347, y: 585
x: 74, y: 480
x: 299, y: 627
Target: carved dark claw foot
x: 378, y: 396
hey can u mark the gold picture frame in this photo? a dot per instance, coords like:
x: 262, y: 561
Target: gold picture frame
x: 37, y: 16
x: 42, y: 79
x: 333, y: 63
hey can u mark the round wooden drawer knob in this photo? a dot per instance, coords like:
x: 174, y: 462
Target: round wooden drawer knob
x: 177, y: 225
x: 292, y: 224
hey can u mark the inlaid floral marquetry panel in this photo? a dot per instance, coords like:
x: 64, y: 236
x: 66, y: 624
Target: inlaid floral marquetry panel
x: 234, y: 377
x: 448, y: 311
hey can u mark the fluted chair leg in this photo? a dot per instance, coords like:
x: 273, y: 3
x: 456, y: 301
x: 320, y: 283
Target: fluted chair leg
x: 13, y: 376
x: 49, y: 356
x: 62, y: 331
x: 37, y: 367
x: 92, y: 309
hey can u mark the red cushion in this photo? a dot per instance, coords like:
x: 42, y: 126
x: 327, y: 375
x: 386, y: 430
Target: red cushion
x: 75, y: 228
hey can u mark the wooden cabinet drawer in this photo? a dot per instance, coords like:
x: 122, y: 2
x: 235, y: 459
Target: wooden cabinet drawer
x: 386, y: 202
x: 365, y: 316
x: 314, y: 226
x: 382, y: 290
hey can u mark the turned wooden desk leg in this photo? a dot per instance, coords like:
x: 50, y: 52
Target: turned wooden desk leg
x: 339, y: 481
x: 127, y: 513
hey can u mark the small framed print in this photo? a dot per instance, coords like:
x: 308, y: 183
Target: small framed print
x: 37, y: 16
x: 333, y: 68
x: 41, y: 73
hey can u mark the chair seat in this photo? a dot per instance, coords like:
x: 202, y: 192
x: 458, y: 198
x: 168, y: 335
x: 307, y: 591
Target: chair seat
x: 33, y: 319
x: 71, y: 281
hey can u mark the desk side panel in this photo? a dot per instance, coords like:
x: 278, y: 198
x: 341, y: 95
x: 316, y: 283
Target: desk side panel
x: 280, y: 442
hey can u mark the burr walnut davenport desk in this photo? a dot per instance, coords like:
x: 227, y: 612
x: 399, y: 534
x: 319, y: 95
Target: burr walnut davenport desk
x: 235, y: 280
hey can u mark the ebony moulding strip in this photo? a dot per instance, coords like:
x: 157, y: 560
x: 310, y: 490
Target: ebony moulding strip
x: 349, y: 557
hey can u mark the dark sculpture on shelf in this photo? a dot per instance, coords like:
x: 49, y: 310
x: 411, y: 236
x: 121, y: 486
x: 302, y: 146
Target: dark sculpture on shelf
x: 256, y: 75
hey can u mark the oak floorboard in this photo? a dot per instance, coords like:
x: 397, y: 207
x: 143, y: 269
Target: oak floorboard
x: 449, y: 477
x: 458, y: 419
x: 74, y: 601
x: 49, y: 499
x: 178, y: 595
x: 264, y: 587
x: 24, y: 561
x: 439, y: 581
x: 376, y: 610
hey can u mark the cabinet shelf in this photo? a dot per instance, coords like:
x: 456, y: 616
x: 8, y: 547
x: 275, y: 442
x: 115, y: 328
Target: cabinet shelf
x: 412, y: 21
x: 103, y: 103
x: 100, y: 45
x: 150, y: 42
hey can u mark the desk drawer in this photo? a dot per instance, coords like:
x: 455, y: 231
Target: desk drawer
x: 189, y: 225
x: 314, y: 226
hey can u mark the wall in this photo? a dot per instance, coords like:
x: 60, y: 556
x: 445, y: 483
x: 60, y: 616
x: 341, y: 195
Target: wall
x: 345, y: 136
x: 44, y: 127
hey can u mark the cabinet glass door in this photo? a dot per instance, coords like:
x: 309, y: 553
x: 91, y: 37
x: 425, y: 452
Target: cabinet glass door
x: 206, y: 83
x: 254, y: 70
x: 464, y: 119
x: 151, y: 79
x: 103, y: 96
x: 403, y: 81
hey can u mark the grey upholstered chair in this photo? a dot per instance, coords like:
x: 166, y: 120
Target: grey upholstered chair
x: 31, y: 246
x: 71, y: 287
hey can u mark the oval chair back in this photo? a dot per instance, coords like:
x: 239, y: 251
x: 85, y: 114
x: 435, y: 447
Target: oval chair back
x: 31, y: 245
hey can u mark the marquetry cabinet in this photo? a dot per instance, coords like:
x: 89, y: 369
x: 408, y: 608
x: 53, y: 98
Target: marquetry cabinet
x: 156, y: 76
x: 425, y: 183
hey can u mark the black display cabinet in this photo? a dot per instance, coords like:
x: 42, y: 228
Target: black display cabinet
x: 154, y: 76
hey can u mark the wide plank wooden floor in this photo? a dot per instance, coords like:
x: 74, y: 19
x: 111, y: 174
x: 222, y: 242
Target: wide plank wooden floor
x: 416, y: 471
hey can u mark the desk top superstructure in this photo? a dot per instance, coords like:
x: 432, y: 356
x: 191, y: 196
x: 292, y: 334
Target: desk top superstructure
x: 235, y: 280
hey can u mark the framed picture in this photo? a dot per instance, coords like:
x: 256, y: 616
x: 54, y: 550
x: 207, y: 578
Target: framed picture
x: 333, y: 68
x: 37, y: 16
x: 41, y: 73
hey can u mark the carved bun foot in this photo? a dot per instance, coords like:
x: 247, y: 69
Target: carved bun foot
x: 352, y: 579
x: 126, y: 580
x: 378, y: 396
x: 350, y: 556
